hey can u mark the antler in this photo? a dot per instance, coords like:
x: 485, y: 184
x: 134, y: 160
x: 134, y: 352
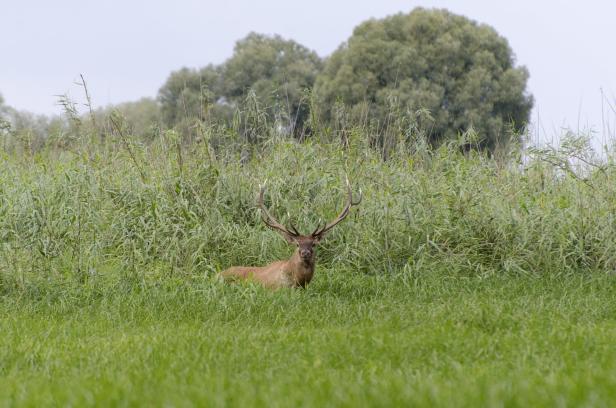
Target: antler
x: 319, y: 232
x: 270, y: 221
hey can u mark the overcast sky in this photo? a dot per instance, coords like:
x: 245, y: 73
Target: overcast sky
x: 126, y: 49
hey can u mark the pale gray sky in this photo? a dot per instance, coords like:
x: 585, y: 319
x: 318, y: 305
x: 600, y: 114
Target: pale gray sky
x: 126, y: 49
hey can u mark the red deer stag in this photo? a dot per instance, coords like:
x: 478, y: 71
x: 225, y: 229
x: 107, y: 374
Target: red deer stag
x: 298, y: 270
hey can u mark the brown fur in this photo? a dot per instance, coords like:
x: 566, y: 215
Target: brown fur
x: 296, y: 271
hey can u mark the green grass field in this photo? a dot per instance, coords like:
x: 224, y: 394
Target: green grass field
x: 462, y: 279
x: 424, y: 339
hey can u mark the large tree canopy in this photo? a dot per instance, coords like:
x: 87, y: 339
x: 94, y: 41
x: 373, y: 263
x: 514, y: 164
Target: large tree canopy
x: 3, y: 107
x: 188, y: 93
x: 462, y: 72
x: 277, y: 70
x: 4, y: 125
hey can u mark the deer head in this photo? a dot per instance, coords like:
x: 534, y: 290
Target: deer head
x: 306, y: 243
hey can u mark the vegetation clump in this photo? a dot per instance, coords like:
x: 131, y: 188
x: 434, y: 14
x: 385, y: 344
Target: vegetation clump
x: 462, y: 72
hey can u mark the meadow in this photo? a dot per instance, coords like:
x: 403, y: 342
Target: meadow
x: 463, y: 279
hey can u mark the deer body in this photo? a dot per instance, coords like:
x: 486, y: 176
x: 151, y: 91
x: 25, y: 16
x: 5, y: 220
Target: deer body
x: 298, y: 270
x: 292, y: 273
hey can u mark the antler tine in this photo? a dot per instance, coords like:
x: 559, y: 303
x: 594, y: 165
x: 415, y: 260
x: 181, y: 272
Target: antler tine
x: 291, y: 226
x: 293, y: 229
x: 268, y: 219
x: 343, y: 213
x: 317, y: 228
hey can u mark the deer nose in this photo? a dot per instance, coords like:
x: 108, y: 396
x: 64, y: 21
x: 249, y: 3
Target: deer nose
x: 305, y: 253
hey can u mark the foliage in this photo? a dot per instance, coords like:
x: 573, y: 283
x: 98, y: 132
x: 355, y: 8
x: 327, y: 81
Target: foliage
x: 278, y: 71
x: 5, y: 125
x: 30, y: 132
x: 143, y: 116
x: 463, y: 73
x: 189, y: 95
x: 190, y: 208
x: 271, y: 70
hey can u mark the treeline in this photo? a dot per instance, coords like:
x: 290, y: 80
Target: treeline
x: 429, y: 69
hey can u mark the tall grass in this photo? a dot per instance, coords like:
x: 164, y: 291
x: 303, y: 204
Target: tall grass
x: 114, y: 208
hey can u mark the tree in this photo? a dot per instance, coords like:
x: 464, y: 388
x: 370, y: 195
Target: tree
x: 461, y: 71
x: 3, y: 107
x: 5, y: 126
x: 28, y: 130
x: 142, y: 116
x: 278, y: 71
x: 189, y: 93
